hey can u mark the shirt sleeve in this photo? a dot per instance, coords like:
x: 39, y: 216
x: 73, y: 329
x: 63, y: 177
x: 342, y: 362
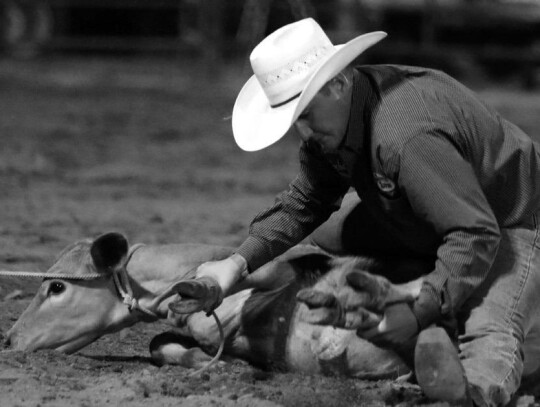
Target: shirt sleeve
x: 311, y: 198
x: 443, y: 191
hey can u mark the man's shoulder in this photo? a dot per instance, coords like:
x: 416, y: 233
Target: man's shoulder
x: 398, y: 81
x: 405, y: 99
x: 384, y: 72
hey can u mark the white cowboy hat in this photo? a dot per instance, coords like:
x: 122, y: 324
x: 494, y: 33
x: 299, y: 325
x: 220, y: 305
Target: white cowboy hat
x: 290, y: 66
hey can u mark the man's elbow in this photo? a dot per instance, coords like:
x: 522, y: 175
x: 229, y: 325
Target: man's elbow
x: 488, y: 240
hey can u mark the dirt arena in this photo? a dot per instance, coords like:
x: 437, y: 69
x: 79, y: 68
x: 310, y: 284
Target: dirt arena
x: 144, y: 147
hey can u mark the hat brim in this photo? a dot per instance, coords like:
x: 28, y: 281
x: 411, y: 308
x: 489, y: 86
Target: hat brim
x: 256, y: 125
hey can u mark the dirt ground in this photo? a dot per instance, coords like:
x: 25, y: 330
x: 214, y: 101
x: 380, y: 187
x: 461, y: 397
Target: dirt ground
x: 144, y: 147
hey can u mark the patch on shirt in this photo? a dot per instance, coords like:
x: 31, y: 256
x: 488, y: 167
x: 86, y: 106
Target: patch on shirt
x: 386, y: 186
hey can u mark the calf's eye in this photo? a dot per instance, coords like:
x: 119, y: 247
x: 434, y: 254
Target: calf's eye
x: 56, y: 287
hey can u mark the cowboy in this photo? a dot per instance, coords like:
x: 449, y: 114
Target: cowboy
x: 437, y: 175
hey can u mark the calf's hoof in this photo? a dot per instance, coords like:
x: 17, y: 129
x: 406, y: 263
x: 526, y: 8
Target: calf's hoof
x: 166, y: 349
x: 438, y: 369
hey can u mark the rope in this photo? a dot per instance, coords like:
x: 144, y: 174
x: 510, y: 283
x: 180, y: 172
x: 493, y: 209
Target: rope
x: 218, y: 353
x: 37, y: 274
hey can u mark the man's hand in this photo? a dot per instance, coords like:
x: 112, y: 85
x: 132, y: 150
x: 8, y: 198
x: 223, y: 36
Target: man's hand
x: 226, y: 272
x: 367, y: 303
x: 355, y: 300
x: 198, y: 294
x: 343, y: 311
x: 397, y: 328
x: 206, y: 291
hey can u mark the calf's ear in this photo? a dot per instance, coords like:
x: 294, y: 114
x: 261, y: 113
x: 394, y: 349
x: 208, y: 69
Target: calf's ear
x: 109, y: 251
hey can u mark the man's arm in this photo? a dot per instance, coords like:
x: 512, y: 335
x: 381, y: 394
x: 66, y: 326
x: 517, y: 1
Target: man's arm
x: 444, y: 191
x: 311, y: 198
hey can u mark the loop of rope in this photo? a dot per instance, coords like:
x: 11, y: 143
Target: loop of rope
x: 218, y: 353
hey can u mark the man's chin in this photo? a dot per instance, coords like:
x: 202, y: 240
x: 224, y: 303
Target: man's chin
x: 330, y: 146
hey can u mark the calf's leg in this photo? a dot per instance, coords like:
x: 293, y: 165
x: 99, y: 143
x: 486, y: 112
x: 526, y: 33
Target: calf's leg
x: 170, y: 348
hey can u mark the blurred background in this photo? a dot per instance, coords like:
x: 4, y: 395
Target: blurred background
x: 498, y: 38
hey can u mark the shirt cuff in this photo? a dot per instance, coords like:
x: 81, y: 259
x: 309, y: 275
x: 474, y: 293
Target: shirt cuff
x: 255, y: 252
x: 426, y: 309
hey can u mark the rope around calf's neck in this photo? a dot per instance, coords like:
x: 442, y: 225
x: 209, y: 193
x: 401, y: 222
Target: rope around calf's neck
x: 128, y: 298
x: 125, y: 291
x: 123, y: 286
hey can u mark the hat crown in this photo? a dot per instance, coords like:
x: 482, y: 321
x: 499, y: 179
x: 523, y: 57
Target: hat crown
x: 285, y: 60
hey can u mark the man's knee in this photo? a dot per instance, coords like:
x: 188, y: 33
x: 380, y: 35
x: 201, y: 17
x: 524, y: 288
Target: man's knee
x: 493, y: 364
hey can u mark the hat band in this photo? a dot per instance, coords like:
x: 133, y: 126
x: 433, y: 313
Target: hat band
x: 299, y: 66
x: 286, y: 101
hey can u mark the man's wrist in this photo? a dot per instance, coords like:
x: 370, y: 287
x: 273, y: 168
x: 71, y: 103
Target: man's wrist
x: 241, y: 263
x: 426, y: 311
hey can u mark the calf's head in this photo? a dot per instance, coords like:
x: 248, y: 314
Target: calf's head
x: 69, y: 313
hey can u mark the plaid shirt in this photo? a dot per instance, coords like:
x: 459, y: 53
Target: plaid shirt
x: 441, y: 169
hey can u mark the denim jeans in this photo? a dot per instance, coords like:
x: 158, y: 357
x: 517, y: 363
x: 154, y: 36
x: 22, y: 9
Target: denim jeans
x: 501, y: 321
x: 499, y: 341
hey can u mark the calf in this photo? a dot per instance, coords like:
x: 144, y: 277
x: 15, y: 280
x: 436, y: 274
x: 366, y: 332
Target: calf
x: 98, y: 287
